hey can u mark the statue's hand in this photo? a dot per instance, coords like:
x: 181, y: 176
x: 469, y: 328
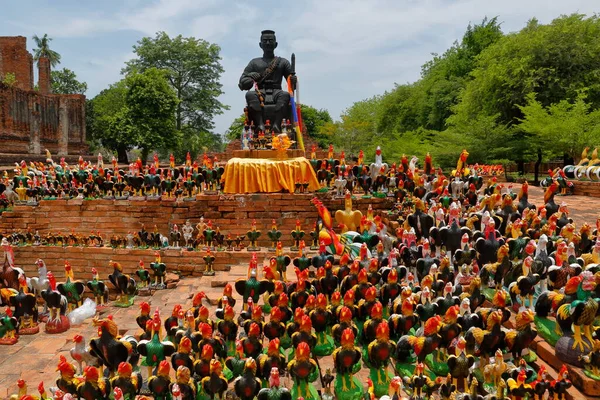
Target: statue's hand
x: 294, y: 80
x: 254, y: 75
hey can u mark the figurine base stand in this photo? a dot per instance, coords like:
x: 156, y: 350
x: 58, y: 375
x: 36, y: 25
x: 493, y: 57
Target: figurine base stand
x: 305, y: 390
x: 8, y: 341
x: 125, y: 302
x: 325, y: 345
x: 29, y: 331
x: 60, y: 326
x: 546, y: 329
x: 253, y: 248
x: 566, y: 353
x: 209, y: 273
x: 381, y: 380
x: 354, y: 387
x: 439, y: 368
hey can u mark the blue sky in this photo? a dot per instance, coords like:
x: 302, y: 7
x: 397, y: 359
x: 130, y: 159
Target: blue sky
x: 346, y: 50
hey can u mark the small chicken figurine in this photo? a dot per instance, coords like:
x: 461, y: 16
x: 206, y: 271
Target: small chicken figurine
x: 420, y: 383
x: 275, y: 391
x: 248, y: 385
x: 215, y: 384
x: 94, y: 387
x: 67, y: 382
x: 129, y: 382
x: 159, y: 384
x: 81, y: 354
x: 187, y: 386
x: 98, y: 288
x: 591, y: 360
x: 303, y: 370
x: 253, y: 234
x: 518, y: 389
x: 346, y: 361
x: 561, y: 384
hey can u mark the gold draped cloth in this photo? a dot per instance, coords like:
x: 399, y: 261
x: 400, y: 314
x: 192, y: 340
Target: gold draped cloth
x: 259, y: 175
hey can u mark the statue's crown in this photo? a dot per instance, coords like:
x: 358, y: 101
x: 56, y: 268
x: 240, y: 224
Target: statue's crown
x: 267, y: 32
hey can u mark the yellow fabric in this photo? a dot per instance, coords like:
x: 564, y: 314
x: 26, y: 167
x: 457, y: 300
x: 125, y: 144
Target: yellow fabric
x: 257, y: 175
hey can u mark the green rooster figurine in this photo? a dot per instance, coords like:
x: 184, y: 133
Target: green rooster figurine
x: 297, y: 235
x: 253, y: 236
x: 274, y: 235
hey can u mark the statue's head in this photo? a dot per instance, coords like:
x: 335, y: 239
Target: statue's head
x: 268, y: 42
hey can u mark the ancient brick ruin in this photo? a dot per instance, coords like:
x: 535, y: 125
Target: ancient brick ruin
x: 32, y: 120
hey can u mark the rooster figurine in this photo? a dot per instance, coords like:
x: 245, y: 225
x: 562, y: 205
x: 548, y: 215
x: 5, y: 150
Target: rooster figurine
x: 125, y: 285
x: 57, y: 305
x: 275, y: 391
x: 98, y: 288
x: 303, y: 370
x: 81, y: 354
x: 128, y: 381
x: 71, y: 288
x: 248, y: 385
x: 160, y: 383
x: 346, y: 361
x: 214, y: 384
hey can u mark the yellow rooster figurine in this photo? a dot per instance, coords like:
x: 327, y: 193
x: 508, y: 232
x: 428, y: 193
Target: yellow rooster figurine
x: 348, y: 217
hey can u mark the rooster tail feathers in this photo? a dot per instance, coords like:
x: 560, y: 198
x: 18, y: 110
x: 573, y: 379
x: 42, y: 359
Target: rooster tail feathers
x: 417, y: 343
x: 510, y: 338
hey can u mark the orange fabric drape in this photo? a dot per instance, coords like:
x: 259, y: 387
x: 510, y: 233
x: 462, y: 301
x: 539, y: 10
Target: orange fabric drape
x: 250, y: 175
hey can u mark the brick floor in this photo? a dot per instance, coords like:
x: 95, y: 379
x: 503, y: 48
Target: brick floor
x: 34, y: 358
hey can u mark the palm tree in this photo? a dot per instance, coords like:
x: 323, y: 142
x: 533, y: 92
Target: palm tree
x: 43, y: 50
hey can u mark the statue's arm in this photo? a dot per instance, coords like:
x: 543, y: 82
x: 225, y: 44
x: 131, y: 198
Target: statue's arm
x: 246, y: 81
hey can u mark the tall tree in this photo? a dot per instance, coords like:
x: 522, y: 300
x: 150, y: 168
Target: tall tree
x: 43, y: 50
x: 138, y: 111
x: 150, y: 105
x: 193, y: 69
x: 555, y: 61
x: 64, y: 81
x: 101, y: 117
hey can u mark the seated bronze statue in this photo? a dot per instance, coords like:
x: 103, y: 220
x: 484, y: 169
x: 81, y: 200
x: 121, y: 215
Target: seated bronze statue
x: 268, y: 101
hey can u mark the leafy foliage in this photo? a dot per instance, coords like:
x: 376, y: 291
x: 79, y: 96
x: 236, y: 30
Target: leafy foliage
x: 65, y: 81
x: 503, y: 97
x: 138, y: 111
x: 192, y: 68
x: 569, y: 126
x: 43, y: 50
x: 9, y: 79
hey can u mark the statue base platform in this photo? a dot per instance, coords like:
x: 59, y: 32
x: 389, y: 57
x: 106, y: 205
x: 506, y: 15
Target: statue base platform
x: 291, y: 153
x: 263, y: 175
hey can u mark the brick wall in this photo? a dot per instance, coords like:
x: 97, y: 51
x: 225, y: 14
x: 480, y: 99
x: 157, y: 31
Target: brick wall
x: 14, y: 58
x: 586, y: 188
x: 31, y: 122
x: 233, y: 214
x: 44, y: 75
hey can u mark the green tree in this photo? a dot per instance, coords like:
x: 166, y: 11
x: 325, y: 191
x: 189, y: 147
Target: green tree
x: 102, y: 113
x: 193, y: 69
x: 235, y: 129
x: 357, y: 129
x: 43, y: 50
x: 554, y: 61
x: 65, y: 81
x: 561, y: 128
x: 313, y: 119
x: 138, y: 111
x: 428, y: 102
x: 149, y: 112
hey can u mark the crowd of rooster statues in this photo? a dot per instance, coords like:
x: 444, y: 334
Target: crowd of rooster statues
x: 446, y: 306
